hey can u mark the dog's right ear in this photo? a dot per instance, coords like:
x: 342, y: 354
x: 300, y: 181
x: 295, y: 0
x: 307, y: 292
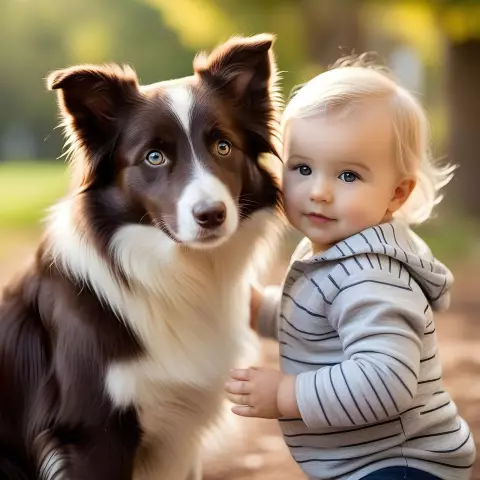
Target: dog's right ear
x: 243, y: 65
x: 243, y: 70
x: 92, y: 97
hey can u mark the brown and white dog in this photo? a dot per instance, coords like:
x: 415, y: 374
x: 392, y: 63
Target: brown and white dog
x: 115, y: 344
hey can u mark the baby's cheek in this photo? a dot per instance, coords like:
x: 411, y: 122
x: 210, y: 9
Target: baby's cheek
x: 288, y: 188
x: 291, y: 199
x: 293, y: 215
x: 361, y: 214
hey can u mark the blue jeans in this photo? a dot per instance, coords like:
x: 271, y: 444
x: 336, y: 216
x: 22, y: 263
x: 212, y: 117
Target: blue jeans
x: 400, y: 473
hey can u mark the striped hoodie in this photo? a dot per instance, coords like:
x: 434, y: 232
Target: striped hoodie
x: 355, y: 324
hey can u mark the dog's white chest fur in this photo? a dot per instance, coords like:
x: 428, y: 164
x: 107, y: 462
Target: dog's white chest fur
x: 191, y: 339
x: 189, y: 310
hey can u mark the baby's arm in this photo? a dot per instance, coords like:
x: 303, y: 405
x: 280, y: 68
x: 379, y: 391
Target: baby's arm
x: 266, y: 320
x: 264, y: 310
x: 380, y: 320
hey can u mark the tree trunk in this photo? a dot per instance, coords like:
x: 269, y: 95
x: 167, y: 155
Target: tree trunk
x: 332, y: 29
x: 463, y: 85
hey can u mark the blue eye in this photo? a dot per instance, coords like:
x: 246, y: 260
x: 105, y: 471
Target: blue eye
x: 304, y: 170
x: 348, y: 177
x: 155, y: 158
x: 224, y: 147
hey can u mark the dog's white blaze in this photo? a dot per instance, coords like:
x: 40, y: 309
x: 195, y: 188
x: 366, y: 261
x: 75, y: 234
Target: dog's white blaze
x: 204, y: 187
x: 181, y: 101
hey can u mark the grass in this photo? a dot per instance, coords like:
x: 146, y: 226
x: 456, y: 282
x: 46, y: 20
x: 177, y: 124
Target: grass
x: 452, y: 237
x: 27, y: 189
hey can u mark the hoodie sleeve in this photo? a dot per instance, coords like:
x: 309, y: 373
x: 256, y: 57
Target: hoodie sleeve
x: 380, y: 321
x: 268, y: 312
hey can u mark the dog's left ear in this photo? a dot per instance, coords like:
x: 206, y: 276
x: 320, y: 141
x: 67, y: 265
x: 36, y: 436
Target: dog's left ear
x: 92, y: 97
x: 243, y: 66
x: 243, y: 71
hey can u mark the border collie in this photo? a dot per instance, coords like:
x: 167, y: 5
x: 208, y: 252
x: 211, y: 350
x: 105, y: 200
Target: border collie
x: 115, y: 344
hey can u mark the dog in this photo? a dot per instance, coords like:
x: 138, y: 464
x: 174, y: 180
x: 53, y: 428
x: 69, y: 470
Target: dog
x: 116, y: 342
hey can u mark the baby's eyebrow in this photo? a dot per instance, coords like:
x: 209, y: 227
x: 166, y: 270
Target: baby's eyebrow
x: 361, y: 165
x: 297, y: 156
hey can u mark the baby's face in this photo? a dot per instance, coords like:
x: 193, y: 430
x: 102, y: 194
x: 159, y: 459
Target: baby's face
x: 340, y: 174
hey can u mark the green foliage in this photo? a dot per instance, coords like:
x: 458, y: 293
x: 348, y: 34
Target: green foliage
x: 27, y: 189
x: 160, y: 37
x: 37, y: 36
x: 460, y: 20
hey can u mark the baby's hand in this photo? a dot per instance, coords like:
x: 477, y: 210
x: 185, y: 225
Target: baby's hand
x: 262, y: 393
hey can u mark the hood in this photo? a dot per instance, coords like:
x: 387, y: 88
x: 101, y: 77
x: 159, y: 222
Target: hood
x: 396, y: 240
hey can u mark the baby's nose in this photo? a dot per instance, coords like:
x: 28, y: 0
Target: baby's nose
x: 321, y: 193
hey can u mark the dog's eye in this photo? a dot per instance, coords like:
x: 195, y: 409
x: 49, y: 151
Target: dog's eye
x: 224, y: 147
x: 155, y: 158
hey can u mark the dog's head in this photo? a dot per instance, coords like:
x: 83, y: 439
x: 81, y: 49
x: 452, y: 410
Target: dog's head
x: 181, y: 155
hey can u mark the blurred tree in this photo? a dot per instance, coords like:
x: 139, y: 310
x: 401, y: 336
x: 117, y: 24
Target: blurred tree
x: 311, y: 33
x: 332, y: 29
x: 202, y: 25
x: 460, y: 20
x: 160, y: 37
x: 37, y: 36
x: 446, y: 34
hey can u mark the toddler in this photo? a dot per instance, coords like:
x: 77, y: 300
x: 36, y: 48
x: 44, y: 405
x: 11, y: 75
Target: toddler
x: 360, y: 393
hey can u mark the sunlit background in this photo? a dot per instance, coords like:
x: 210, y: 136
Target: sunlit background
x: 433, y: 48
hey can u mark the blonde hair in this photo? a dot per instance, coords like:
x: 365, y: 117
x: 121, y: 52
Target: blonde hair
x: 352, y: 81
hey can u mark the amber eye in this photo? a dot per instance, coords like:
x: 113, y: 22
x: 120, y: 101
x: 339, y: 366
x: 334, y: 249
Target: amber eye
x: 155, y: 158
x: 224, y: 147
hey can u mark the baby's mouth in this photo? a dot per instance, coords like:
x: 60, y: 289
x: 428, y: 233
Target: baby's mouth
x: 319, y: 218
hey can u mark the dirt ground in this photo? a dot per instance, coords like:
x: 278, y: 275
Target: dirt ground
x: 256, y: 450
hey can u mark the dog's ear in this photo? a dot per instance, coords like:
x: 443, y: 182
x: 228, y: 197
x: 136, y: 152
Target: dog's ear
x: 243, y: 66
x: 93, y: 101
x: 93, y: 97
x: 243, y: 71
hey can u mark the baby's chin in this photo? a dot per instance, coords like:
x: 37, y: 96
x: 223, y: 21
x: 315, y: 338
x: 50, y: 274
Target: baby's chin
x: 321, y: 243
x: 331, y: 233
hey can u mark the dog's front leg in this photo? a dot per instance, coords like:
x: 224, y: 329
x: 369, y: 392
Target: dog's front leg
x: 104, y: 452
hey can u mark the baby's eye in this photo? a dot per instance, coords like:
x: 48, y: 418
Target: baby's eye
x: 304, y: 170
x: 348, y: 177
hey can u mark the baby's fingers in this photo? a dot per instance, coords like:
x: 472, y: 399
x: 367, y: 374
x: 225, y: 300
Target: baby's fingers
x: 238, y: 387
x: 239, y: 392
x: 239, y: 399
x: 244, y: 411
x: 240, y: 373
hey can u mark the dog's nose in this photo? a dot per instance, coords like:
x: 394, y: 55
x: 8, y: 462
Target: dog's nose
x: 210, y: 215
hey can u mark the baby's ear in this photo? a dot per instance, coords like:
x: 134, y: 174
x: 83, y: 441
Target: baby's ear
x: 91, y: 98
x: 402, y: 193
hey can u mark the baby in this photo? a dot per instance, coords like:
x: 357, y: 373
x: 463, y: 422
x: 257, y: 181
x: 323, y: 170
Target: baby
x: 360, y: 393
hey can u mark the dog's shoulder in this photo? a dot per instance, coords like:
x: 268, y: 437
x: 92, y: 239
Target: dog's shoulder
x: 54, y: 329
